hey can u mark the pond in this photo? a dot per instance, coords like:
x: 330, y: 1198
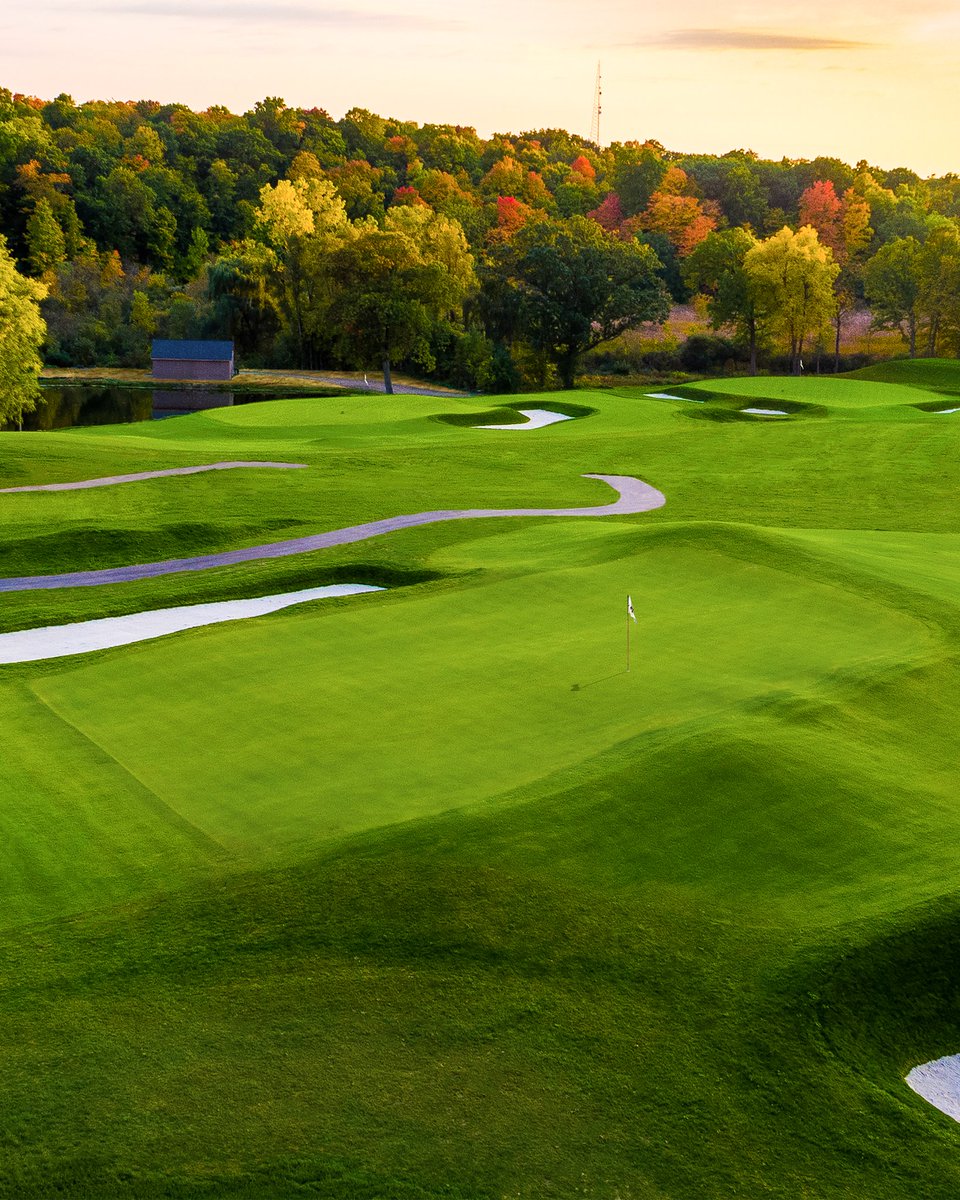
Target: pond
x: 91, y: 404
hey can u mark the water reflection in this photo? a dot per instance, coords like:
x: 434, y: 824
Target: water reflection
x: 168, y: 403
x: 91, y: 404
x: 63, y: 407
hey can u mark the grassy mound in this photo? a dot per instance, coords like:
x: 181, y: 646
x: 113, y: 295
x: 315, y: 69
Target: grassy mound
x: 431, y: 898
x: 936, y: 374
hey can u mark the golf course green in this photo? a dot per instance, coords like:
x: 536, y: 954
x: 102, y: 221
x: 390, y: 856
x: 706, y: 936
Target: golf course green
x: 422, y: 895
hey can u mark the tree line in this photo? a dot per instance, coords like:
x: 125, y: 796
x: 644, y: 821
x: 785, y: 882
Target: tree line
x: 493, y: 263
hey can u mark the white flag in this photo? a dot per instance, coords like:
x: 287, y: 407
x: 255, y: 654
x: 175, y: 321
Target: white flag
x: 630, y: 612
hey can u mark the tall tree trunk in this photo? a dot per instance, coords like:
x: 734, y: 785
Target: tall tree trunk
x: 567, y: 366
x: 933, y: 335
x: 387, y: 381
x: 836, y: 345
x: 753, y: 347
x: 796, y: 354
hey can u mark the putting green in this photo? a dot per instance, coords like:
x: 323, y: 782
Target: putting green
x: 367, y: 717
x: 838, y: 393
x: 430, y: 897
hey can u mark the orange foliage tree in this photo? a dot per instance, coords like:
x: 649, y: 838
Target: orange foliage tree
x: 843, y: 224
x: 512, y: 215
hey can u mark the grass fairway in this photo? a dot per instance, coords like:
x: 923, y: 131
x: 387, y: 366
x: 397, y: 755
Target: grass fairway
x: 425, y: 896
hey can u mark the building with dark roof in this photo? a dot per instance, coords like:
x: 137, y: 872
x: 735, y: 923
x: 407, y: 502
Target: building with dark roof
x: 192, y: 360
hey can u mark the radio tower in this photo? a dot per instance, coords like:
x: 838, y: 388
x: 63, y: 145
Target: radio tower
x: 597, y: 109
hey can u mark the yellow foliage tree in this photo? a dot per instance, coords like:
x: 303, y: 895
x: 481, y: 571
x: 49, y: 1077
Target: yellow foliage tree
x: 22, y: 330
x: 793, y: 274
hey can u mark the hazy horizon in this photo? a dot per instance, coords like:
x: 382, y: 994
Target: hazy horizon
x: 865, y: 81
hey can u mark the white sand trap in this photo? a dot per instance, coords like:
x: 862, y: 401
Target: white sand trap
x: 57, y: 641
x: 668, y: 396
x: 536, y: 419
x: 765, y: 412
x: 110, y: 480
x: 941, y: 411
x: 939, y: 1083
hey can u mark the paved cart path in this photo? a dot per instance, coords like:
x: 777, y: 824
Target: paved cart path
x: 110, y: 480
x: 634, y: 496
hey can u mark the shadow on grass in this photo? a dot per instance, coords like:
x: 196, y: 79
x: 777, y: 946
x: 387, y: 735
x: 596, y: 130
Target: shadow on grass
x: 581, y: 687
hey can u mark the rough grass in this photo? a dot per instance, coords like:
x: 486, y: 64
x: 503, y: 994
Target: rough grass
x: 432, y: 899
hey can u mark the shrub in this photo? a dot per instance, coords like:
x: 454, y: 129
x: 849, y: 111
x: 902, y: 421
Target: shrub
x: 709, y: 354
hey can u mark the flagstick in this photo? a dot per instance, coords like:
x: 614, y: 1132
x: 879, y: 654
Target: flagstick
x: 628, y: 641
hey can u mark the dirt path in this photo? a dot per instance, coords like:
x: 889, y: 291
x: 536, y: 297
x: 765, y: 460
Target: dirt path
x: 634, y: 496
x: 110, y: 480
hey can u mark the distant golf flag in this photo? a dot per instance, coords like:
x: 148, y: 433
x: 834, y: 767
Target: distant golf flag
x: 631, y: 615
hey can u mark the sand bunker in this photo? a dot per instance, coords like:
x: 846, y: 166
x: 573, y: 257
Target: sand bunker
x: 634, y: 496
x: 57, y: 641
x: 668, y: 396
x: 765, y: 412
x: 939, y: 1083
x: 943, y: 411
x: 110, y: 480
x: 536, y: 419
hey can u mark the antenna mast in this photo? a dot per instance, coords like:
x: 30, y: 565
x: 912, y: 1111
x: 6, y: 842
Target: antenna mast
x: 597, y: 109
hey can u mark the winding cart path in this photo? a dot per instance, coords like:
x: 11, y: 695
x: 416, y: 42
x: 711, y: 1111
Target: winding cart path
x: 110, y: 480
x: 634, y: 496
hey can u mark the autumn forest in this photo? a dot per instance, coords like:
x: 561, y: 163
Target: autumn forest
x: 491, y: 264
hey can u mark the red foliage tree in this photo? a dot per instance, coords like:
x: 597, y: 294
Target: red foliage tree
x: 408, y: 196
x: 609, y: 214
x: 822, y: 208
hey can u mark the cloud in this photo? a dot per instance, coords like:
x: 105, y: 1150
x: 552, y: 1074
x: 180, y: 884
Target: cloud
x: 747, y: 39
x: 944, y: 26
x: 306, y: 16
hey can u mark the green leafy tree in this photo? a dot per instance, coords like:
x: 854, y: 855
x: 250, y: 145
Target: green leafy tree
x: 244, y: 304
x: 636, y: 179
x: 46, y: 244
x: 716, y: 270
x: 219, y: 187
x: 390, y: 288
x: 940, y: 283
x: 892, y: 282
x: 361, y: 188
x: 197, y: 252
x: 129, y: 219
x: 574, y: 287
x: 741, y: 196
x: 280, y: 125
x: 22, y: 330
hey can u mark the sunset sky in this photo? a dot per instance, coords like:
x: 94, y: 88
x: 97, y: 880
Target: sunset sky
x: 875, y: 80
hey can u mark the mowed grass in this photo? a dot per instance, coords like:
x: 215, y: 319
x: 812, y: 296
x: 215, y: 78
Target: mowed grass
x: 423, y: 894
